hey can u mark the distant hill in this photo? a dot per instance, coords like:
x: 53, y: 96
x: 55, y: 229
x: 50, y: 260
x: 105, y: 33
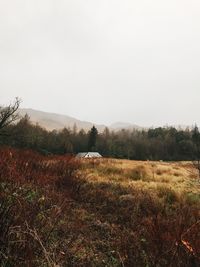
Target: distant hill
x: 52, y: 121
x: 124, y: 125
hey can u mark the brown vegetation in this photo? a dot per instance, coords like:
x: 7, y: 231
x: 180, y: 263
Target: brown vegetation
x: 56, y: 211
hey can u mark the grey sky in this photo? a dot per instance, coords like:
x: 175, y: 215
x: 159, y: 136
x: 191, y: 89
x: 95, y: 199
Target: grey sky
x: 103, y: 61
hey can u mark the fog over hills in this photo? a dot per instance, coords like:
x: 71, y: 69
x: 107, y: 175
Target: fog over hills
x: 52, y: 121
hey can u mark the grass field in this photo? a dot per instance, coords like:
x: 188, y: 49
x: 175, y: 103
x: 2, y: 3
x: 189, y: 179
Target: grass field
x: 60, y: 212
x: 143, y: 174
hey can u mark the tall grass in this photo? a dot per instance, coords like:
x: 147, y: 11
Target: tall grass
x: 56, y: 211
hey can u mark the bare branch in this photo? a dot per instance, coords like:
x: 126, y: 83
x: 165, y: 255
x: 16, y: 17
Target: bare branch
x: 9, y: 114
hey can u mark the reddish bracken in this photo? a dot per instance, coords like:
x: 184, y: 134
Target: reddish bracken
x: 26, y: 165
x: 52, y: 216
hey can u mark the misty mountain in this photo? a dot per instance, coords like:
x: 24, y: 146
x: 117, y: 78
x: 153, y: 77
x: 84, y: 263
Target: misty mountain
x: 51, y: 121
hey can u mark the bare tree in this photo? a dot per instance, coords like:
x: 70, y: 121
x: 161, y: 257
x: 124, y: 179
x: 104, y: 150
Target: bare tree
x: 9, y: 113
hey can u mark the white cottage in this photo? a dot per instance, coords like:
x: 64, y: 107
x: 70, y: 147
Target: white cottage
x: 88, y: 155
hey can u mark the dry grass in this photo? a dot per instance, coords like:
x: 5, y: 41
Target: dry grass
x: 147, y: 190
x: 57, y: 212
x: 142, y: 174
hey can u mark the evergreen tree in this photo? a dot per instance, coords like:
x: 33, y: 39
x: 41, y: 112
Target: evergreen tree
x: 93, y: 133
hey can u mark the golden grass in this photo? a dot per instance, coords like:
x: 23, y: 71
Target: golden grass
x: 99, y: 213
x: 145, y: 175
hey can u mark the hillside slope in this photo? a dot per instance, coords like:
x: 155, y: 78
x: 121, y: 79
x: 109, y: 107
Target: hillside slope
x: 52, y: 121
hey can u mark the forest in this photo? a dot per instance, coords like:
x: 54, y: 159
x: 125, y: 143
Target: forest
x: 163, y: 143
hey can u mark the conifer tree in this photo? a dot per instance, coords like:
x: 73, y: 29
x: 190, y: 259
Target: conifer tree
x: 93, y: 133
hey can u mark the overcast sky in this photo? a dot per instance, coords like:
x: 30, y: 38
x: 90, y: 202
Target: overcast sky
x: 103, y: 61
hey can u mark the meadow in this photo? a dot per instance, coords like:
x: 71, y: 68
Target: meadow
x: 58, y: 211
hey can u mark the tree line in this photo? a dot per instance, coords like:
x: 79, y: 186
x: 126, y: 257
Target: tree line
x: 163, y: 143
x: 153, y: 144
